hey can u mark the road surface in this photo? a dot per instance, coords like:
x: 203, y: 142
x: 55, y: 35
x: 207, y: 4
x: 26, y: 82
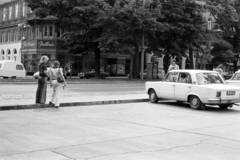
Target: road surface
x: 163, y: 131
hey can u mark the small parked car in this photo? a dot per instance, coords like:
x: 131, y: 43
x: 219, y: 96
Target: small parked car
x: 197, y: 87
x: 11, y: 69
x: 91, y: 74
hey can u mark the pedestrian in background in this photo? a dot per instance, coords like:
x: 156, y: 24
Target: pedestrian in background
x: 219, y: 69
x: 42, y: 81
x: 55, y: 74
x: 173, y: 66
x: 166, y: 62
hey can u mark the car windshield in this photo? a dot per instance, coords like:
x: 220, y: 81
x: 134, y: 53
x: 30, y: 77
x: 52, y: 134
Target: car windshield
x: 236, y: 76
x: 209, y: 78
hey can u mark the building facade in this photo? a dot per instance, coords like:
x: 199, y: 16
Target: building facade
x: 12, y: 13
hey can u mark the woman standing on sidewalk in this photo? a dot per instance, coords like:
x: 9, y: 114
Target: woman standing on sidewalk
x: 42, y: 81
x: 55, y: 73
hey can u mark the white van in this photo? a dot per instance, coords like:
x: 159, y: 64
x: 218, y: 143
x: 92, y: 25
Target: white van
x: 11, y: 69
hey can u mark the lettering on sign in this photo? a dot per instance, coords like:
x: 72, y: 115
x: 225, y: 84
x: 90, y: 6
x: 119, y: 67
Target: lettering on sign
x: 45, y: 44
x: 26, y: 44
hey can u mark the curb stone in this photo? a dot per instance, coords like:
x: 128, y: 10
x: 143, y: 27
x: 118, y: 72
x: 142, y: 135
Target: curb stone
x: 72, y: 104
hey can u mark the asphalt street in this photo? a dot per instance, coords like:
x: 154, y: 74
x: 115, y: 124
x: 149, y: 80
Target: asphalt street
x: 163, y: 131
x: 7, y: 89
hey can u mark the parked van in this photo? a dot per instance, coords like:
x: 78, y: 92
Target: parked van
x: 11, y: 69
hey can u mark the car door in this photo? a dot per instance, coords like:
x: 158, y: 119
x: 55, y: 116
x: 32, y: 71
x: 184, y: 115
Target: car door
x: 168, y: 86
x: 183, y: 86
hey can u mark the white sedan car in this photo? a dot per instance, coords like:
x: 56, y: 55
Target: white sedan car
x: 197, y: 87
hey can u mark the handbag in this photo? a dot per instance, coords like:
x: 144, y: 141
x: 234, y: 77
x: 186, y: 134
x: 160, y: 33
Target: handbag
x: 59, y: 79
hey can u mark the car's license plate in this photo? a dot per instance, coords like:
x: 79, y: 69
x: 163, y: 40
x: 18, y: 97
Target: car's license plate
x: 230, y: 92
x: 229, y: 101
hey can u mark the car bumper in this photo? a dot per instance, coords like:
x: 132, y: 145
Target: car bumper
x: 222, y: 101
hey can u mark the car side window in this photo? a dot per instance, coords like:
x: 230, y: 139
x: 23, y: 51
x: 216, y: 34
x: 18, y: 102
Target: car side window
x: 236, y: 76
x: 171, y: 77
x: 184, y: 78
x: 19, y: 67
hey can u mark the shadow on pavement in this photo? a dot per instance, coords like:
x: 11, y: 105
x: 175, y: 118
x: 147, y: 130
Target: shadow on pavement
x: 208, y: 108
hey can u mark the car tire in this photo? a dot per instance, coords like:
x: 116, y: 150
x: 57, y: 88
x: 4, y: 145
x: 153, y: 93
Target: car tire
x: 153, y: 96
x: 195, y: 103
x: 224, y: 106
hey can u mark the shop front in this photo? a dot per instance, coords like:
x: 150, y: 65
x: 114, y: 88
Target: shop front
x: 33, y: 50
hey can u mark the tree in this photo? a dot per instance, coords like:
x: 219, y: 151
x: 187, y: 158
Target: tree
x: 226, y: 15
x: 126, y: 24
x: 76, y: 15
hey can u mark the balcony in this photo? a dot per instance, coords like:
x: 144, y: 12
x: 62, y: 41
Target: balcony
x: 11, y: 22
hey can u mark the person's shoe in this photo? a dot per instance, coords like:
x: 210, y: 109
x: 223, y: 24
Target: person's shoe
x: 50, y: 103
x: 56, y: 106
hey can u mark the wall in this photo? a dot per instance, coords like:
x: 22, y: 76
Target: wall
x: 11, y: 47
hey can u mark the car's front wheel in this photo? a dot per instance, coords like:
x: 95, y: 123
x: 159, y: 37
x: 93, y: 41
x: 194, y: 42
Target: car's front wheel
x: 153, y: 96
x: 195, y: 102
x: 224, y: 106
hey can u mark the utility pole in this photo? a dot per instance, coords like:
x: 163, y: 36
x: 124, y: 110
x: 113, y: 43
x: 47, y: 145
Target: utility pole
x: 142, y: 55
x: 143, y: 48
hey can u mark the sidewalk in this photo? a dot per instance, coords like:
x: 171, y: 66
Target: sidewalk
x: 15, y: 102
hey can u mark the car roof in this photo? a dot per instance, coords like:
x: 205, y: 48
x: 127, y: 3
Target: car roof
x: 237, y: 71
x: 193, y: 71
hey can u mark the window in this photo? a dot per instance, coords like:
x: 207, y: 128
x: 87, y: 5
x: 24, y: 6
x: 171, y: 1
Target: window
x: 16, y: 11
x: 209, y: 78
x: 8, y: 36
x: 10, y: 13
x: 19, y: 67
x: 236, y: 76
x: 184, y: 78
x: 23, y: 9
x: 171, y: 77
x: 45, y: 30
x: 15, y: 35
x: 3, y: 54
x: 4, y: 14
x: 3, y: 37
x: 0, y: 65
x: 51, y: 31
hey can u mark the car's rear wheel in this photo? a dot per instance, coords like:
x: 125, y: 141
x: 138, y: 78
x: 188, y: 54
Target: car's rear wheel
x: 224, y: 106
x: 153, y: 96
x: 195, y: 102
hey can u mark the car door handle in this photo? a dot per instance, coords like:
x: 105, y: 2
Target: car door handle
x: 189, y: 87
x: 173, y: 85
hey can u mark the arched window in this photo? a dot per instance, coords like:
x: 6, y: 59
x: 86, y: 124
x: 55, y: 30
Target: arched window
x: 2, y: 55
x: 15, y: 54
x: 9, y: 54
x: 15, y: 51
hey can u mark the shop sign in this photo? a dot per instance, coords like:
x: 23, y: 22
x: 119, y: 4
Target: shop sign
x: 29, y: 45
x: 46, y: 44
